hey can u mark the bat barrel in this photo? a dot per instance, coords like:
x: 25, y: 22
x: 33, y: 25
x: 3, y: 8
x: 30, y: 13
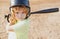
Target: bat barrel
x: 46, y: 11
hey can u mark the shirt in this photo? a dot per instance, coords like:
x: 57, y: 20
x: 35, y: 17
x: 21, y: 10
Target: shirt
x: 21, y: 28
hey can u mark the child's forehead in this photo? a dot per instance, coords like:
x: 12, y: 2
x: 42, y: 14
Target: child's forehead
x: 17, y: 8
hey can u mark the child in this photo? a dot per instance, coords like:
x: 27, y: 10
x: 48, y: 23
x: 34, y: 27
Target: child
x: 18, y: 25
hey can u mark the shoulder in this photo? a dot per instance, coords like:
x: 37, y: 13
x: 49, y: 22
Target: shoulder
x: 21, y: 23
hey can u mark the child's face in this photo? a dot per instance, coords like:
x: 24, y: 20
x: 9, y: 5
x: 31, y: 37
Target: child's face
x: 19, y: 12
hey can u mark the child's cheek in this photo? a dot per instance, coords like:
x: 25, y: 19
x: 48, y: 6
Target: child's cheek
x: 23, y: 16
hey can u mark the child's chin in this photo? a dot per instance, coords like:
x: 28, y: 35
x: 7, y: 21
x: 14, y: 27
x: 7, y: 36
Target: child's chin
x: 20, y: 19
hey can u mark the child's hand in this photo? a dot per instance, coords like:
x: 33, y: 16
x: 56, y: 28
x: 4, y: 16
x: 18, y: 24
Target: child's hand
x: 11, y: 29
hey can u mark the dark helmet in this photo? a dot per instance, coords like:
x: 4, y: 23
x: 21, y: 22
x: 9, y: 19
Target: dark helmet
x: 14, y: 3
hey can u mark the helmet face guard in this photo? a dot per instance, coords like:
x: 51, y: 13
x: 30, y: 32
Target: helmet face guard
x: 27, y: 15
x: 20, y: 3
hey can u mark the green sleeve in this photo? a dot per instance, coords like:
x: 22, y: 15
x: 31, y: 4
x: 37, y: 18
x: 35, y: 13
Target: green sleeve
x: 22, y: 31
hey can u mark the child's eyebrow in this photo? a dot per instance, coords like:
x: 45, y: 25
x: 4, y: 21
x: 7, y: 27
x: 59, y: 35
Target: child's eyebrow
x: 15, y: 9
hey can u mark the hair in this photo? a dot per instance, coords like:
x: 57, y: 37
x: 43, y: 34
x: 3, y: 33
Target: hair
x: 12, y: 19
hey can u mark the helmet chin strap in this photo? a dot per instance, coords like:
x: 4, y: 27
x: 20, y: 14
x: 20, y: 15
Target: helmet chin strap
x: 28, y: 14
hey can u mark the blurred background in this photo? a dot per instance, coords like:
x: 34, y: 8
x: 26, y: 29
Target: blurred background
x: 42, y: 26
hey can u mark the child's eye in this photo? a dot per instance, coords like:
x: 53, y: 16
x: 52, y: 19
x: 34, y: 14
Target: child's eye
x: 12, y: 10
x: 17, y: 12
